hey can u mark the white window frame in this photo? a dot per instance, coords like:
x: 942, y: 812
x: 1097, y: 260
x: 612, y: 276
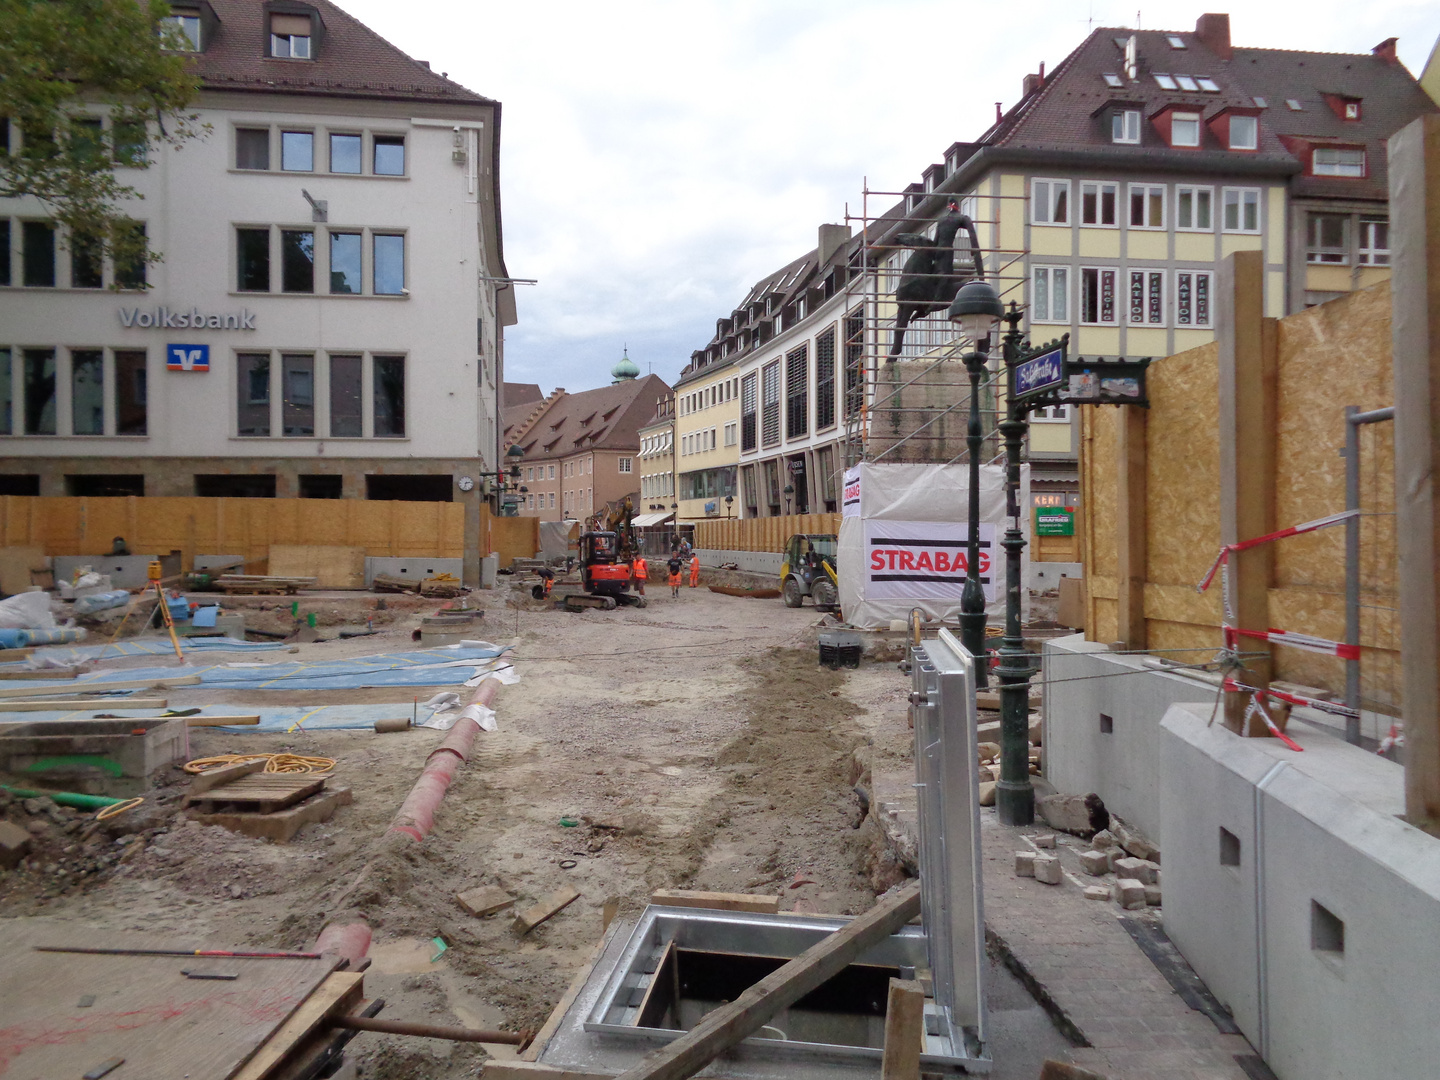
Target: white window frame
x: 1046, y: 195
x: 1045, y: 313
x: 1117, y: 295
x: 1125, y: 126
x: 1336, y: 167
x: 1098, y: 188
x: 1200, y: 285
x: 1239, y: 202
x: 1187, y: 83
x: 731, y: 433
x: 1150, y: 275
x: 1149, y: 204
x: 626, y: 464
x: 1366, y: 253
x: 1165, y: 82
x: 1254, y: 125
x: 1327, y: 255
x: 1188, y: 118
x: 1197, y: 193
x: 1050, y: 414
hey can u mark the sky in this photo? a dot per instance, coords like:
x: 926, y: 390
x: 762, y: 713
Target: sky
x: 659, y: 158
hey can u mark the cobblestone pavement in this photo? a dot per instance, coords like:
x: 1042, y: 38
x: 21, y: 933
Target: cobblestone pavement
x: 1089, y: 970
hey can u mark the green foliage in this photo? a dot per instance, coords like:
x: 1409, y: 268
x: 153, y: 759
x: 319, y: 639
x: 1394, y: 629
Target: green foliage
x: 60, y: 61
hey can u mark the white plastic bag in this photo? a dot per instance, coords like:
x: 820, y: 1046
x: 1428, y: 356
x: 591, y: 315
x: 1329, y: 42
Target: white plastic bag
x: 26, y: 611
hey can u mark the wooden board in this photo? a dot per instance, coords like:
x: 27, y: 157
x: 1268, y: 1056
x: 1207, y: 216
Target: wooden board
x: 485, y: 900
x: 281, y: 825
x: 221, y: 721
x: 43, y: 673
x: 904, y: 1030
x: 164, y: 1025
x: 716, y: 901
x: 211, y: 778
x: 98, y: 685
x: 258, y: 792
x: 82, y: 705
x: 339, y: 991
x: 532, y: 917
x: 331, y: 567
x: 16, y: 565
x: 10, y: 655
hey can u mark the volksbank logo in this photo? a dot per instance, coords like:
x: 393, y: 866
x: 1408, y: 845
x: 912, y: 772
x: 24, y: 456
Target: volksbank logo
x: 194, y: 319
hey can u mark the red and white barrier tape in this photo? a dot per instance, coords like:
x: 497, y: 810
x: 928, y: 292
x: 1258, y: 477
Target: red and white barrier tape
x: 1298, y: 641
x: 1332, y: 707
x: 1294, y: 530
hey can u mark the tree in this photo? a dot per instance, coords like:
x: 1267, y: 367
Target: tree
x: 57, y: 57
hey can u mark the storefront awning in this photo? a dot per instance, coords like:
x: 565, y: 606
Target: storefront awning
x: 645, y: 520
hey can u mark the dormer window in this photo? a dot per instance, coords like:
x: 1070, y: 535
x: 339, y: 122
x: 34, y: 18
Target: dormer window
x: 291, y: 36
x: 187, y: 21
x: 1125, y: 126
x: 1337, y: 161
x: 1352, y: 110
x: 1244, y: 133
x: 1184, y: 129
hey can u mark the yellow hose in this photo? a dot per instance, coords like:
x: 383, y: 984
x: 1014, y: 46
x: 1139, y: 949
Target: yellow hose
x: 118, y: 808
x: 276, y: 763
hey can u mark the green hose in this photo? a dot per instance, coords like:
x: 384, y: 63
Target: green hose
x: 65, y: 798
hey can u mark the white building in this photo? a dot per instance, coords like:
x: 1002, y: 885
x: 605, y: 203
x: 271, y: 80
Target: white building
x: 327, y: 319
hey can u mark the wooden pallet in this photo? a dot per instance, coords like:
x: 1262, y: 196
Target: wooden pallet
x: 258, y: 792
x: 254, y: 584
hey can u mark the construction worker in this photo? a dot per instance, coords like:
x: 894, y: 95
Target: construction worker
x: 694, y: 570
x: 674, y: 567
x: 640, y: 572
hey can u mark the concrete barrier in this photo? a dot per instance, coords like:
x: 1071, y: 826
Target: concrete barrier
x: 756, y: 562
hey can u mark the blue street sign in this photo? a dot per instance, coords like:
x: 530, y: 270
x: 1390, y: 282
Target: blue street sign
x: 1040, y: 373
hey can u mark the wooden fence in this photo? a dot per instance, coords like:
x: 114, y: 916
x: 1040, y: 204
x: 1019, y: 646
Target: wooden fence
x: 512, y: 537
x: 761, y: 534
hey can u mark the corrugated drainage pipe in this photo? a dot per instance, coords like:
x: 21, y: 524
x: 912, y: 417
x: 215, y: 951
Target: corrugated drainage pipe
x: 350, y: 940
x: 417, y: 813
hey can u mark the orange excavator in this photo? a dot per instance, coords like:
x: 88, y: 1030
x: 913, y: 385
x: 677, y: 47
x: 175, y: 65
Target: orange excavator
x: 607, y: 549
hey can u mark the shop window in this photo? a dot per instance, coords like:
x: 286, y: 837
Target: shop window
x: 253, y: 394
x: 19, y: 484
x: 1193, y: 292
x: 345, y: 397
x: 105, y: 485
x: 1147, y: 298
x: 297, y: 405
x: 233, y: 486
x: 131, y: 392
x: 321, y: 486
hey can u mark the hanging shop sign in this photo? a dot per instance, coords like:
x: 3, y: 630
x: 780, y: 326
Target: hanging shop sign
x: 187, y: 357
x: 165, y: 318
x: 923, y: 560
x: 1054, y: 521
x: 1048, y: 376
x: 1039, y: 373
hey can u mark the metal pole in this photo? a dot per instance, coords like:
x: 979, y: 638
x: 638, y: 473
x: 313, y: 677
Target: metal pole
x: 972, y: 598
x: 1353, y: 419
x: 1014, y: 795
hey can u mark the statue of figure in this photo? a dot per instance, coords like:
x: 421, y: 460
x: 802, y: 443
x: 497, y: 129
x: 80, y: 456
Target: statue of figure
x: 928, y: 280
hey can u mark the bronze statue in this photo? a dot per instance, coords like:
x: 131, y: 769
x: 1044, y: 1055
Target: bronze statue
x: 928, y: 280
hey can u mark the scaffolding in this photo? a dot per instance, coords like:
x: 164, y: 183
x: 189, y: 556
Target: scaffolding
x: 916, y: 408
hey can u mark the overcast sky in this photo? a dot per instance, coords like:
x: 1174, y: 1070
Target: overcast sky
x: 658, y: 158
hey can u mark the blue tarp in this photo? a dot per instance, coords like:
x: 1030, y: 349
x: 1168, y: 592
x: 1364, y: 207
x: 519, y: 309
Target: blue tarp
x: 272, y: 720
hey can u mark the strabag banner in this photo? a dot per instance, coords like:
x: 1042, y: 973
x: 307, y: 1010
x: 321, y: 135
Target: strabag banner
x: 850, y: 499
x: 924, y: 560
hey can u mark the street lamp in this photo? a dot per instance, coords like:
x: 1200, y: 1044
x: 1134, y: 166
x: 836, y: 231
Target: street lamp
x: 788, y: 492
x: 729, y: 504
x: 977, y: 310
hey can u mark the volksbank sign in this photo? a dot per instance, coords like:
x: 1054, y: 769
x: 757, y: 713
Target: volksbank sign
x: 194, y: 319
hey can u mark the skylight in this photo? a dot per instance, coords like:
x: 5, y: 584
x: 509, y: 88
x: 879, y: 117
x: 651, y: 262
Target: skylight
x: 1113, y: 81
x: 1209, y: 85
x: 1294, y: 105
x: 1165, y: 81
x: 1186, y: 82
x: 1176, y: 41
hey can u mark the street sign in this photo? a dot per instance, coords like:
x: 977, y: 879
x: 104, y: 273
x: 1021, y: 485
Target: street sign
x: 1054, y: 521
x: 1039, y: 373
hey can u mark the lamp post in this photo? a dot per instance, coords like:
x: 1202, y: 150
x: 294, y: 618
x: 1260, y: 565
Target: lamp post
x: 729, y: 504
x: 1014, y: 795
x: 977, y: 309
x: 788, y: 491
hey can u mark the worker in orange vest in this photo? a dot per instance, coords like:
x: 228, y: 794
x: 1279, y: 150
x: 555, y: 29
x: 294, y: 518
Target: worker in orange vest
x: 640, y: 572
x: 674, y: 568
x: 694, y: 570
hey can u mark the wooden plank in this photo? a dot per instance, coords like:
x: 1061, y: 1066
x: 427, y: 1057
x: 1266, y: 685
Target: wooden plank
x: 82, y: 705
x: 221, y: 721
x: 43, y: 673
x: 1130, y: 526
x: 486, y: 900
x: 904, y: 1030
x: 10, y: 655
x: 716, y: 901
x: 336, y: 993
x: 517, y: 1069
x: 332, y: 567
x: 532, y: 917
x: 747, y: 1014
x: 98, y: 685
x: 223, y: 775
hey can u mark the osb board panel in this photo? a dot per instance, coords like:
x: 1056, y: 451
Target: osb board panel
x: 1189, y: 643
x: 761, y: 534
x: 512, y: 537
x: 164, y: 1025
x: 332, y: 567
x: 1182, y: 473
x: 1323, y: 614
x: 1182, y: 604
x: 1100, y: 463
x: 1330, y: 356
x: 1105, y: 614
x: 16, y: 564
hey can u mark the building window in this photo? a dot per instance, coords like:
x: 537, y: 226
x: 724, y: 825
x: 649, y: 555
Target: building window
x: 345, y: 273
x: 1125, y: 126
x: 7, y: 404
x: 188, y: 26
x: 1244, y: 133
x: 1097, y: 204
x: 1193, y: 289
x: 1374, y: 247
x: 552, y: 472
x: 1097, y: 296
x: 131, y: 392
x: 824, y: 382
x: 730, y: 433
x: 854, y: 362
x: 297, y: 260
x: 1050, y: 202
x: 390, y: 397
x: 38, y: 254
x: 297, y: 151
x: 130, y: 271
x: 297, y: 403
x: 252, y: 148
x: 86, y: 270
x: 1293, y: 104
x: 39, y: 391
x: 1165, y: 82
x: 290, y: 36
x: 389, y: 155
x: 1241, y: 210
x: 770, y: 379
x: 87, y: 140
x: 625, y: 464
x: 1050, y: 294
x: 252, y: 253
x: 345, y: 153
x: 552, y: 500
x: 1147, y: 298
x: 87, y: 391
x: 253, y: 394
x: 1337, y: 161
x: 1147, y: 206
x: 130, y: 143
x: 748, y: 412
x: 1327, y: 240
x: 797, y: 392
x: 5, y: 278
x: 389, y: 262
x: 1192, y: 209
x: 346, y: 379
x: 1113, y: 81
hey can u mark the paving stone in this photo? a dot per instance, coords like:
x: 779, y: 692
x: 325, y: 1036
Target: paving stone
x: 1024, y: 864
x: 1044, y: 840
x: 1047, y: 869
x: 1131, y: 893
x: 1097, y: 892
x: 14, y: 843
x: 1152, y: 895
x: 1113, y: 856
x: 1094, y: 863
x: 1103, y: 840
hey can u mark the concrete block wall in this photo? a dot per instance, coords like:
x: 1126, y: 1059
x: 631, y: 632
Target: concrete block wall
x: 410, y: 568
x: 1315, y: 925
x: 756, y: 562
x: 1044, y: 576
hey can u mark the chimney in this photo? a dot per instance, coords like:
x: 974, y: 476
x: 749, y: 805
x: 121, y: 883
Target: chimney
x: 832, y: 239
x: 1214, y: 31
x: 1042, y: 72
x: 1030, y: 84
x: 1386, y: 50
x: 998, y: 114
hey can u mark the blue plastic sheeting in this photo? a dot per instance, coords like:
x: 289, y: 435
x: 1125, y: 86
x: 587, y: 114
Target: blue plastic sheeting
x: 272, y: 720
x: 425, y: 667
x: 74, y: 654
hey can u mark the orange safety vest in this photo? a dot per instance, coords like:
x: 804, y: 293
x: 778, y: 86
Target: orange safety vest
x: 642, y: 572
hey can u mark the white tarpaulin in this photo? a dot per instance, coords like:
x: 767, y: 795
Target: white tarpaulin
x: 903, y: 538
